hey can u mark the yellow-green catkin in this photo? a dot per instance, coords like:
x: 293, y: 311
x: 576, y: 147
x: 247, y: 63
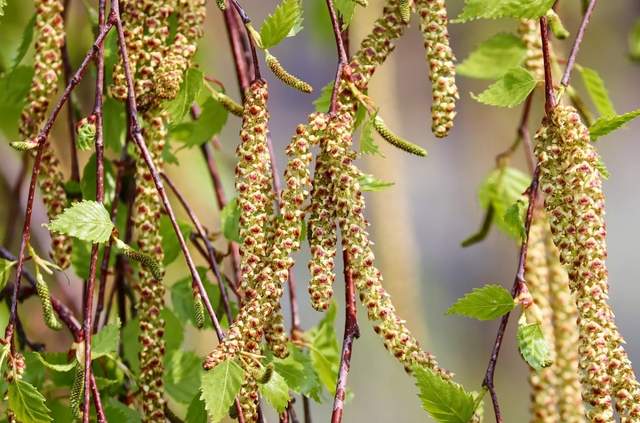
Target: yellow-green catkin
x: 49, y: 38
x: 293, y: 81
x: 405, y: 10
x: 42, y: 289
x: 543, y: 382
x: 529, y: 31
x: 442, y: 70
x: 572, y: 184
x: 383, y: 130
x: 76, y: 391
x: 228, y: 103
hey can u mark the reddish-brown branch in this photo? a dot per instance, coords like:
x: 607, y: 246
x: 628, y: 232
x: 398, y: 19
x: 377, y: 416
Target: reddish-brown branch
x: 578, y: 41
x: 519, y: 282
x: 549, y: 96
x: 351, y: 332
x: 342, y: 54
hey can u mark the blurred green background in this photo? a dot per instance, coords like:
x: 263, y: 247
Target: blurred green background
x: 418, y: 223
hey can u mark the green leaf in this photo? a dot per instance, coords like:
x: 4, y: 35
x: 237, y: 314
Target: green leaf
x: 368, y: 143
x: 634, y: 41
x: 220, y: 387
x: 371, y: 183
x: 28, y: 405
x: 130, y: 345
x: 597, y: 91
x: 286, y: 21
x: 189, y: 91
x: 173, y: 330
x: 324, y: 98
x: 486, y: 303
x: 58, y: 362
x: 211, y: 121
x: 230, y: 221
x: 106, y: 341
x: 493, y: 9
x: 196, y: 412
x: 170, y: 244
x: 14, y: 89
x: 5, y: 271
x: 444, y: 400
x: 85, y: 220
x: 607, y: 124
x: 325, y: 351
x: 508, y: 91
x: 276, y: 392
x: 88, y: 182
x: 345, y: 9
x: 115, y: 411
x: 494, y: 57
x: 114, y: 124
x: 25, y: 43
x: 514, y: 218
x: 182, y: 375
x: 297, y: 370
x: 533, y: 346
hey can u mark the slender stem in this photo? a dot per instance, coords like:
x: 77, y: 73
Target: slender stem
x: 519, y: 282
x: 578, y: 41
x: 342, y: 55
x: 241, y: 55
x: 71, y: 117
x: 351, y: 332
x: 254, y: 55
x: 93, y: 263
x: 549, y: 96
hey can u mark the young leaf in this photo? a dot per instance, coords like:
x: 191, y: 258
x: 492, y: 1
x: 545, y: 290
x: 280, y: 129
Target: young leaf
x: 14, y: 88
x: 323, y: 101
x: 230, y: 220
x: 486, y: 303
x: 106, y: 341
x: 597, y: 91
x: 533, y: 346
x: 324, y: 350
x: 494, y: 57
x: 508, y: 91
x: 368, y: 144
x: 444, y: 400
x: 634, y: 41
x: 57, y: 362
x: 297, y: 370
x: 115, y: 411
x: 211, y: 121
x: 514, y: 218
x: 345, y: 9
x: 286, y: 21
x: 182, y: 375
x: 493, y: 9
x: 28, y: 405
x: 114, y: 124
x: 220, y: 387
x: 276, y: 392
x: 371, y: 183
x: 170, y: 244
x: 196, y: 412
x: 5, y: 271
x: 607, y: 124
x: 85, y: 220
x: 88, y: 182
x: 25, y: 43
x: 191, y: 85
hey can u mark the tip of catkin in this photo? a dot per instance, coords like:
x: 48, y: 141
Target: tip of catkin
x: 395, y: 140
x: 281, y: 73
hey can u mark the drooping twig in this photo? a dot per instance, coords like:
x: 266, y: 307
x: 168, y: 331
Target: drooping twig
x: 342, y: 54
x: 549, y: 96
x: 252, y: 45
x: 578, y: 41
x: 71, y: 118
x: 519, y: 282
x: 87, y: 326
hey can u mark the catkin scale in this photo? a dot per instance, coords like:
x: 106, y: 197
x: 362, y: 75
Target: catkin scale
x: 393, y: 139
x: 291, y: 80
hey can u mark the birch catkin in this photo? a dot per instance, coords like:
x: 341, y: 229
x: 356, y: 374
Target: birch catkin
x: 529, y: 31
x: 570, y: 179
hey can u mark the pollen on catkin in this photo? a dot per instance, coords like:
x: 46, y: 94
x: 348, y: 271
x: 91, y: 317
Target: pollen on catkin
x: 572, y: 184
x: 49, y: 38
x: 442, y: 71
x: 395, y: 140
x: 291, y: 80
x: 529, y: 31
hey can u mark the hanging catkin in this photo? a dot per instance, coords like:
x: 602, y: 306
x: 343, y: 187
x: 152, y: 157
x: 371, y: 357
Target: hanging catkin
x: 529, y: 31
x: 49, y: 38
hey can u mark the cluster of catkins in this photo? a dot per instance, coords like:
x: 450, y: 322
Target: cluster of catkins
x: 158, y: 63
x: 49, y: 39
x: 556, y: 391
x: 572, y: 184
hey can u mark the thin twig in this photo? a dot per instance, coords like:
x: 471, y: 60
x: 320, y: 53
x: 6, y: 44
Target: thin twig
x: 549, y: 96
x: 342, y: 55
x: 252, y: 44
x: 488, y: 382
x: 578, y: 41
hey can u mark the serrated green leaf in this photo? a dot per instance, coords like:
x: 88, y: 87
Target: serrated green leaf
x: 85, y: 220
x: 634, y: 41
x: 25, y: 42
x: 602, y: 168
x: 182, y: 375
x: 486, y: 303
x: 325, y: 351
x: 597, y: 91
x: 219, y: 388
x: 28, y: 405
x: 286, y: 21
x: 106, y: 341
x: 607, y: 124
x: 196, y: 412
x: 58, y: 362
x: 345, y: 9
x: 501, y: 189
x: 371, y: 183
x: 195, y: 133
x: 230, y: 220
x: 508, y: 91
x: 191, y: 85
x: 88, y: 182
x: 5, y: 271
x: 170, y: 244
x: 297, y: 370
x: 514, y: 218
x: 115, y: 411
x: 493, y: 9
x: 494, y: 57
x: 14, y: 89
x: 533, y: 346
x: 368, y: 143
x: 445, y: 400
x: 276, y: 392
